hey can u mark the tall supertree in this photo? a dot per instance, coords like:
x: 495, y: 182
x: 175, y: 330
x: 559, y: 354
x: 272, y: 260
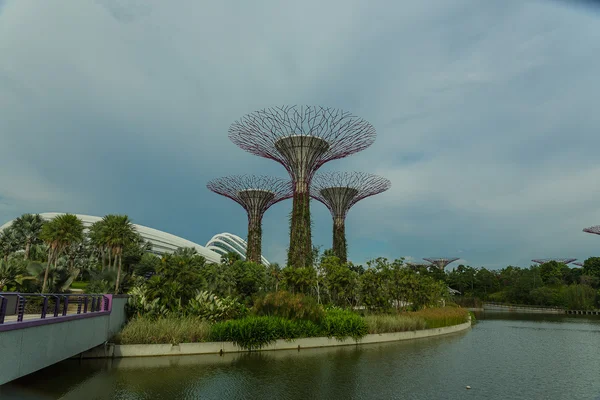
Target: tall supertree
x: 301, y: 139
x: 417, y: 265
x: 593, y: 229
x: 339, y: 191
x: 255, y: 194
x: 441, y: 262
x: 558, y: 260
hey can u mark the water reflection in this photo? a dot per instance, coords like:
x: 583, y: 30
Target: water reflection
x: 532, y: 357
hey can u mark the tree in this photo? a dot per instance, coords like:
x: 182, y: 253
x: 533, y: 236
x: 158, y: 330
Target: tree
x: 230, y: 258
x: 178, y: 279
x: 97, y: 237
x: 341, y: 283
x: 591, y: 267
x: 250, y: 278
x: 9, y: 242
x: 60, y: 232
x: 552, y: 272
x: 117, y: 233
x: 28, y: 228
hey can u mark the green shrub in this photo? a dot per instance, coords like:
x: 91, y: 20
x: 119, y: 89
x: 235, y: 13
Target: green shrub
x: 473, y: 319
x: 288, y: 305
x: 256, y: 332
x: 342, y: 324
x: 210, y: 308
x: 173, y: 330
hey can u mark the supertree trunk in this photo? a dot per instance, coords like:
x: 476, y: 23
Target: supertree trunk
x: 300, y: 251
x: 340, y: 248
x: 254, y: 250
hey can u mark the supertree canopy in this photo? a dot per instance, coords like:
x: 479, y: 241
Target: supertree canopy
x: 256, y: 194
x: 416, y: 265
x: 593, y: 229
x: 301, y: 139
x: 339, y: 191
x: 558, y: 260
x: 441, y: 262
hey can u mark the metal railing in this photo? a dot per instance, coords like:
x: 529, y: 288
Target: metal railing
x: 42, y: 306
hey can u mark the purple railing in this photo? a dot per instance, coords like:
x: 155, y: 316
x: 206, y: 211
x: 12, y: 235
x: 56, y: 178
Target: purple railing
x: 86, y: 304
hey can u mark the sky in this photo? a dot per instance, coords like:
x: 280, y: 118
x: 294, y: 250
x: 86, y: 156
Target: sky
x: 486, y: 114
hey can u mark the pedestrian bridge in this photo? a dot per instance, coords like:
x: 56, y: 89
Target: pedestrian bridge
x: 37, y: 330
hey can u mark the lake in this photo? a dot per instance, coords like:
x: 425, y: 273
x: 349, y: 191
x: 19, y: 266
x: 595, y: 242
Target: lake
x: 505, y: 356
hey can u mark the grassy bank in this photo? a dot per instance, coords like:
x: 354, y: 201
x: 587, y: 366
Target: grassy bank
x: 254, y: 332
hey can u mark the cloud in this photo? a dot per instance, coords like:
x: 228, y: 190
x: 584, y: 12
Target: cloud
x: 485, y: 111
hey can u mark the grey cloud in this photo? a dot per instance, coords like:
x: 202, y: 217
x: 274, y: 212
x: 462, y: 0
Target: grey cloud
x: 485, y: 114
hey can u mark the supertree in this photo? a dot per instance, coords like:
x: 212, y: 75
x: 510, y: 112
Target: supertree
x: 441, y: 262
x: 593, y: 229
x: 301, y: 139
x: 417, y: 265
x: 255, y: 194
x: 339, y: 191
x: 558, y: 260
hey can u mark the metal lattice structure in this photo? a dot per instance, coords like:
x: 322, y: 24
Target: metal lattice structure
x: 593, y: 229
x: 301, y: 139
x: 418, y: 264
x: 255, y: 194
x: 441, y: 262
x: 579, y: 264
x: 558, y: 260
x: 339, y: 191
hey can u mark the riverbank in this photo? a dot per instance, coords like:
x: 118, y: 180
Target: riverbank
x: 149, y: 350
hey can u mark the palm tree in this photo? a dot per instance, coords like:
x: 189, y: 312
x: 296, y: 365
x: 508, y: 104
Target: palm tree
x: 117, y: 233
x: 28, y: 228
x: 97, y: 238
x: 60, y: 232
x: 9, y: 242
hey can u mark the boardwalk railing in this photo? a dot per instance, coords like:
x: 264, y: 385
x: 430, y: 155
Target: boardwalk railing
x: 19, y: 307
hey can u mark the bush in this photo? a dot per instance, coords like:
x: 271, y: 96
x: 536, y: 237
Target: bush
x: 256, y: 332
x: 173, y: 330
x: 342, y: 324
x: 288, y: 305
x: 210, y: 308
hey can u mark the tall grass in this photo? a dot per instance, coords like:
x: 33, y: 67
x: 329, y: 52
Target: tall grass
x: 440, y: 317
x: 171, y: 330
x: 394, y: 323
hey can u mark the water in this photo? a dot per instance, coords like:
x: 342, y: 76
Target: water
x: 504, y: 357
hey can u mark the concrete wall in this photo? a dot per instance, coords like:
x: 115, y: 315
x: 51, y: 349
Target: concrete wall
x: 28, y: 349
x: 144, y: 350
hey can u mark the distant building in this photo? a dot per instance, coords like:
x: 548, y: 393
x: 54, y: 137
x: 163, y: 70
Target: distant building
x: 224, y: 243
x: 162, y: 242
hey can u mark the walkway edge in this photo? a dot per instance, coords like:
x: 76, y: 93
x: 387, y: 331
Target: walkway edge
x: 149, y: 350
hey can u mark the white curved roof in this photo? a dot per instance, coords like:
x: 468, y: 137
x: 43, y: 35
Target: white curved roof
x: 162, y: 242
x: 224, y: 243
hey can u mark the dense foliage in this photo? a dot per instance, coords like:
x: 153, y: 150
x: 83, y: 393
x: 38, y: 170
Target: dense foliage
x: 551, y: 284
x: 50, y: 256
